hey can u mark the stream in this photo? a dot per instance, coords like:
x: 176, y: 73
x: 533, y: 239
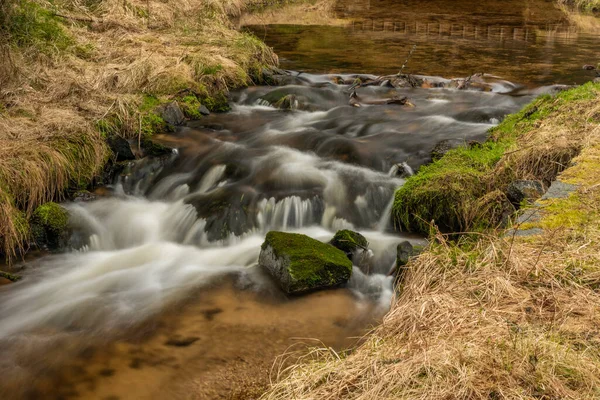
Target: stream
x: 161, y: 295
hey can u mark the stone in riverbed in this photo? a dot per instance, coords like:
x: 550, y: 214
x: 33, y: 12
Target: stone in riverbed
x: 349, y: 241
x: 301, y: 264
x: 524, y: 190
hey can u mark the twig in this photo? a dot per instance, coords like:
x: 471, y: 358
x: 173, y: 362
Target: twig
x: 410, y: 53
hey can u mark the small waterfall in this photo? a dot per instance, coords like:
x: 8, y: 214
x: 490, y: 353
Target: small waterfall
x: 289, y: 213
x: 403, y: 170
x: 211, y: 178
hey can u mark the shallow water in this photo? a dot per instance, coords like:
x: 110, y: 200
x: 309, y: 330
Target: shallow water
x: 530, y: 42
x: 161, y: 295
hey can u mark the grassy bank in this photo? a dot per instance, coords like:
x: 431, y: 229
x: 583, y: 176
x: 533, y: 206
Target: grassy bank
x: 491, y: 316
x: 465, y: 190
x: 73, y: 73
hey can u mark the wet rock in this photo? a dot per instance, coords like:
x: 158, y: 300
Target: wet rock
x: 405, y: 251
x: 301, y: 264
x: 154, y: 149
x: 524, y: 190
x: 120, y: 148
x: 289, y: 102
x: 172, y: 114
x: 49, y: 226
x: 6, y: 278
x: 402, y: 170
x: 597, y: 80
x: 440, y: 149
x: 349, y: 242
x: 83, y: 196
x: 203, y: 110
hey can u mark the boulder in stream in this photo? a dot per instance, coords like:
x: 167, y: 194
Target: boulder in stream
x: 301, y: 264
x: 120, y: 148
x: 349, y: 242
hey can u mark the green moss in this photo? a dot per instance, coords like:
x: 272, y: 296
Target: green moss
x: 312, y: 264
x: 217, y: 103
x: 349, y: 241
x: 153, y: 123
x: 190, y: 106
x: 52, y: 217
x: 30, y: 25
x: 10, y: 277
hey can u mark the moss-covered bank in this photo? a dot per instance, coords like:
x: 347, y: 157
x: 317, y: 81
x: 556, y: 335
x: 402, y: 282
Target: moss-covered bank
x: 465, y: 189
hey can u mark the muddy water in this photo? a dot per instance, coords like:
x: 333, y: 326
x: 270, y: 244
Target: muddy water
x: 531, y: 42
x: 161, y: 296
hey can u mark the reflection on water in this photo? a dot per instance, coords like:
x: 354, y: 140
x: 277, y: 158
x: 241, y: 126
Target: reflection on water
x: 530, y: 42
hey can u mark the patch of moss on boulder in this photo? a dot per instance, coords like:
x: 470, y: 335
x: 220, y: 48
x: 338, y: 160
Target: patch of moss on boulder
x: 302, y: 264
x: 49, y: 226
x: 349, y: 241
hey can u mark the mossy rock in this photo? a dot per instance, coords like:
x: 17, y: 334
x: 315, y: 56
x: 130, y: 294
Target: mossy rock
x: 50, y: 226
x: 10, y: 277
x: 302, y: 264
x: 51, y: 216
x: 349, y: 241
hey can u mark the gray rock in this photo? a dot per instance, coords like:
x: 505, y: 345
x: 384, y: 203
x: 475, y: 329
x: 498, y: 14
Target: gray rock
x: 440, y: 149
x: 301, y: 264
x: 172, y: 114
x: 559, y: 190
x: 524, y: 190
x: 203, y: 110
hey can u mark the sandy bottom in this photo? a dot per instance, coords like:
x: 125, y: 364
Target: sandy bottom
x: 223, y: 344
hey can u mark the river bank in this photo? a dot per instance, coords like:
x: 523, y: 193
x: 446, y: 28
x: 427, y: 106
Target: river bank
x: 77, y: 78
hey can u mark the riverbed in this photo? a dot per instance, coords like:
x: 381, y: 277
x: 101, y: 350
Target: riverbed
x: 161, y: 295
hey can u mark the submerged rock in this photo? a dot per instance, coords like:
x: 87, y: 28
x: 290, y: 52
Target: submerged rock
x: 524, y: 190
x: 349, y: 242
x: 300, y: 264
x: 49, y: 226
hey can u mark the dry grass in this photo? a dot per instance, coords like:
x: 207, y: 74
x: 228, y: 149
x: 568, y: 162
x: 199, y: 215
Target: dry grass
x: 492, y: 316
x: 320, y: 12
x: 81, y: 63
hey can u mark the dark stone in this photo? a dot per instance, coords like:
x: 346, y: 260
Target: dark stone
x: 203, y: 110
x: 524, y: 190
x: 349, y: 242
x: 172, y: 114
x: 181, y: 342
x: 405, y: 251
x: 301, y: 264
x: 402, y: 170
x: 154, y: 149
x: 288, y: 102
x: 440, y: 149
x: 120, y: 148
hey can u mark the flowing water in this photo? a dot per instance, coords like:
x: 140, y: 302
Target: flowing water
x: 161, y: 295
